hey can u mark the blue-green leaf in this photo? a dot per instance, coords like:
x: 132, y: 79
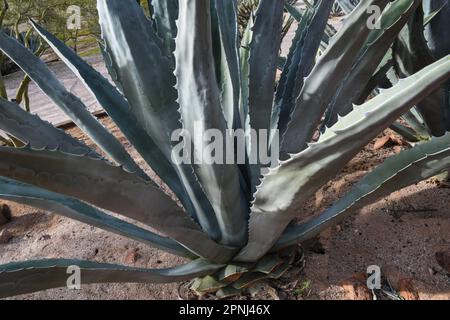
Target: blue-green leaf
x: 200, y: 109
x: 30, y: 276
x: 146, y: 76
x: 325, y: 78
x: 111, y: 188
x: 409, y: 167
x: 45, y: 79
x: 75, y: 209
x: 37, y: 133
x: 285, y: 189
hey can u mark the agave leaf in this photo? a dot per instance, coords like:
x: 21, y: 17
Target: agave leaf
x: 288, y: 61
x: 407, y: 133
x: 411, y: 53
x: 165, y: 14
x: 325, y: 78
x: 148, y: 82
x: 244, y: 54
x: 111, y: 188
x: 415, y: 121
x: 75, y: 209
x: 264, y: 50
x: 262, y: 62
x: 346, y: 5
x: 144, y: 72
x: 301, y: 60
x: 409, y: 167
x: 293, y: 11
x: 285, y: 188
x: 30, y: 276
x: 379, y: 79
x: 431, y: 13
x: 111, y: 67
x: 436, y: 30
x: 232, y: 272
x: 374, y: 50
x: 249, y: 279
x: 229, y: 79
x: 207, y: 284
x: 119, y: 110
x: 37, y: 133
x: 412, y: 117
x: 279, y: 271
x: 268, y: 264
x: 201, y: 111
x: 227, y: 292
x: 330, y: 31
x: 36, y: 69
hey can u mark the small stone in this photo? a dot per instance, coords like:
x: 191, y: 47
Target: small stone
x: 443, y: 259
x: 382, y: 142
x: 45, y: 237
x: 132, y: 256
x: 355, y: 288
x: 389, y: 141
x: 5, y: 215
x: 5, y: 236
x: 407, y: 289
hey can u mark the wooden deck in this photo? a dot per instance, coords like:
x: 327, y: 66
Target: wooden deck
x: 41, y: 105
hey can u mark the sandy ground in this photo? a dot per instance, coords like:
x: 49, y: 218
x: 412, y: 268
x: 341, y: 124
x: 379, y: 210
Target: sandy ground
x: 400, y: 233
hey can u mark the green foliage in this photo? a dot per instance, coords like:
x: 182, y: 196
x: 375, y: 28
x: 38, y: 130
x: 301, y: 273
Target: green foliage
x: 236, y: 221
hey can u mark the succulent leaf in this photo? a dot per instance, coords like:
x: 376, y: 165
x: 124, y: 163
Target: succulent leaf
x: 409, y: 167
x: 285, y: 188
x: 29, y: 276
x: 45, y: 79
x: 111, y: 188
x: 75, y: 209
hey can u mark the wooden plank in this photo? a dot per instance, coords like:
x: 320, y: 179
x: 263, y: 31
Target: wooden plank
x: 41, y: 105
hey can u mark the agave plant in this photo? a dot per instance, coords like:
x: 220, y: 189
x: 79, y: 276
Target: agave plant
x: 184, y: 68
x: 420, y: 43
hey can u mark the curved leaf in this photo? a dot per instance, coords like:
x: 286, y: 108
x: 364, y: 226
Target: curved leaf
x: 307, y: 43
x: 229, y: 62
x: 111, y: 188
x: 374, y: 50
x: 285, y: 188
x: 411, y: 53
x: 119, y: 110
x: 347, y: 5
x: 325, y: 78
x: 165, y: 14
x: 201, y: 111
x: 146, y: 76
x: 436, y: 30
x: 30, y: 276
x: 244, y: 54
x: 263, y: 58
x: 409, y: 167
x: 75, y: 209
x: 36, y: 69
x: 38, y: 133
